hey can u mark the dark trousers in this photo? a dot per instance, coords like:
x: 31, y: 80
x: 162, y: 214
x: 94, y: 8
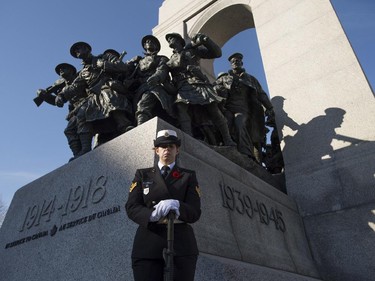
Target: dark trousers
x: 153, y: 269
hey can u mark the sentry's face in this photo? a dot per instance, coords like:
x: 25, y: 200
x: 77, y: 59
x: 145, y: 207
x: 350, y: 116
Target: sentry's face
x: 167, y: 153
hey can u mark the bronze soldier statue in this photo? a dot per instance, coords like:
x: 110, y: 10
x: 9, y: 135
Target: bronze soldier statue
x: 51, y: 95
x: 105, y: 107
x: 236, y: 110
x: 149, y: 74
x: 195, y: 94
x: 244, y: 107
x: 116, y: 84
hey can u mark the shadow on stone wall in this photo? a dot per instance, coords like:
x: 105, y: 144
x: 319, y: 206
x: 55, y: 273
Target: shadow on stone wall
x: 314, y: 138
x: 337, y: 178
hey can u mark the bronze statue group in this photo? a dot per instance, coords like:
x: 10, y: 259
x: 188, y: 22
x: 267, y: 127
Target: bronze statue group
x: 109, y: 97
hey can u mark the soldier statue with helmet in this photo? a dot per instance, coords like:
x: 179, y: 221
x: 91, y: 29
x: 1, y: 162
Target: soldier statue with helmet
x: 106, y: 110
x: 195, y: 94
x: 76, y: 121
x: 149, y: 75
x: 244, y: 105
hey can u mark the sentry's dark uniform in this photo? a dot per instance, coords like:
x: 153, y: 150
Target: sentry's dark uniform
x: 147, y: 189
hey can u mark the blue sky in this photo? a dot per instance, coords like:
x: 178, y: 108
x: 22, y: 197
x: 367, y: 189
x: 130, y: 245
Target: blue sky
x: 37, y: 35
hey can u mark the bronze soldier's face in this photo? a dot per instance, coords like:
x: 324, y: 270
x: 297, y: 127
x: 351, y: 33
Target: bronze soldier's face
x: 236, y: 63
x: 174, y: 42
x: 65, y: 72
x: 150, y: 46
x: 167, y: 153
x: 82, y: 52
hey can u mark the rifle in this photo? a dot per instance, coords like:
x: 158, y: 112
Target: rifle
x: 353, y: 141
x: 122, y: 55
x: 169, y: 252
x: 56, y: 87
x: 96, y: 85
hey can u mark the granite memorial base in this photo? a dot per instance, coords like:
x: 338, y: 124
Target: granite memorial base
x: 71, y: 224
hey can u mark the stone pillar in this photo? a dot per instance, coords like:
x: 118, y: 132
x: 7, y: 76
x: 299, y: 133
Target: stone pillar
x: 325, y: 113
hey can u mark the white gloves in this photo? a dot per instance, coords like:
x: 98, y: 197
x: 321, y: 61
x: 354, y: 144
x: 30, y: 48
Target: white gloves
x: 163, y: 207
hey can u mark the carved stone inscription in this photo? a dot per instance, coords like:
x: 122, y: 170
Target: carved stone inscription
x: 243, y: 204
x: 78, y: 198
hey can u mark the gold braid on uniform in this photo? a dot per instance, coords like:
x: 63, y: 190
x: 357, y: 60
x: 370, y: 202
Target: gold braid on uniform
x: 132, y: 186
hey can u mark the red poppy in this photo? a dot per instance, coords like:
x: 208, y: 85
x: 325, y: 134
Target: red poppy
x: 176, y: 174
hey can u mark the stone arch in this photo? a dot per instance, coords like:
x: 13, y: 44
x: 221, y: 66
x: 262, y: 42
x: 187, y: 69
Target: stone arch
x: 221, y: 22
x: 228, y: 18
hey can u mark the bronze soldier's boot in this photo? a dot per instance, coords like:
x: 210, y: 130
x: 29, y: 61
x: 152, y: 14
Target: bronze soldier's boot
x: 258, y: 153
x: 209, y: 135
x: 75, y: 147
x: 185, y: 126
x: 142, y: 116
x: 224, y: 131
x: 86, y: 142
x: 184, y: 118
x: 122, y: 122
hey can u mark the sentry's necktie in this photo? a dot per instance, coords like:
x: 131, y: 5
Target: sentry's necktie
x: 164, y: 171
